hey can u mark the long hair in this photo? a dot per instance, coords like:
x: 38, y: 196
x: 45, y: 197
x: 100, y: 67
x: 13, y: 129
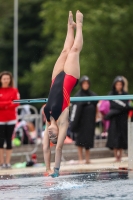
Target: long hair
x: 11, y: 84
x: 125, y: 84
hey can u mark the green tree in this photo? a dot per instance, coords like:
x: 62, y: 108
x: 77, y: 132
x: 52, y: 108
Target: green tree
x: 6, y: 8
x: 32, y: 44
x: 107, y: 50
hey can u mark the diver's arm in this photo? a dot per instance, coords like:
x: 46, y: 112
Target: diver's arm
x: 63, y: 126
x: 61, y: 138
x: 46, y: 149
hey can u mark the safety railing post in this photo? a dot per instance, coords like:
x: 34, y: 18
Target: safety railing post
x: 130, y: 145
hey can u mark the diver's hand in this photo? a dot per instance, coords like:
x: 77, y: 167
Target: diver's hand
x: 55, y: 173
x: 49, y: 171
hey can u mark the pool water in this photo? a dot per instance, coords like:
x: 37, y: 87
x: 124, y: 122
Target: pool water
x: 97, y: 185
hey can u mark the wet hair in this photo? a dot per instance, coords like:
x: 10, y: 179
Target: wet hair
x: 54, y: 139
x: 11, y: 84
x: 125, y: 84
x: 54, y: 142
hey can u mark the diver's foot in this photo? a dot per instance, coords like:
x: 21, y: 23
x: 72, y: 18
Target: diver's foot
x: 79, y: 17
x: 70, y: 20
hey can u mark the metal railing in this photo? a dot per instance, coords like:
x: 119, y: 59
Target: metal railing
x: 34, y: 116
x: 38, y: 117
x: 130, y: 145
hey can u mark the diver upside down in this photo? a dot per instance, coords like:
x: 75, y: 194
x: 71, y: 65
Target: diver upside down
x: 65, y: 76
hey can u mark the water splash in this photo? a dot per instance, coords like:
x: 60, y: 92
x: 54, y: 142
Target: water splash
x: 67, y: 186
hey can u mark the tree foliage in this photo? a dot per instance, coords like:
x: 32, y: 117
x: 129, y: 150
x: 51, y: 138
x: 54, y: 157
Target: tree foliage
x: 31, y: 46
x: 107, y: 50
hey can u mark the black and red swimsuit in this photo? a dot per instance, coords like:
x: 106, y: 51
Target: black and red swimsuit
x: 59, y: 95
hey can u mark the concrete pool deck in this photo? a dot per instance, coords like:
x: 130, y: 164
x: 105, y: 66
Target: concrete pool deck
x: 102, y: 164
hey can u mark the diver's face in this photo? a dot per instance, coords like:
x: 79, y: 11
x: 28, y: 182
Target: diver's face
x: 53, y: 133
x: 118, y: 86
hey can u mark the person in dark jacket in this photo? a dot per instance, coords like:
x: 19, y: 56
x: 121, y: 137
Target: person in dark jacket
x: 82, y: 120
x: 118, y: 116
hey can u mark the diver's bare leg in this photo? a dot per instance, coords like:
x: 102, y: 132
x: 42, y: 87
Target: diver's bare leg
x: 72, y: 66
x: 59, y: 65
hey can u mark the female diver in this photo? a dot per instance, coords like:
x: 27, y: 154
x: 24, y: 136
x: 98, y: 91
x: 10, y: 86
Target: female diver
x: 65, y: 76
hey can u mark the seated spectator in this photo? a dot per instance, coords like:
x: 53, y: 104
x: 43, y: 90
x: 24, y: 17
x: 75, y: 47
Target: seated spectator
x: 104, y: 107
x: 25, y: 132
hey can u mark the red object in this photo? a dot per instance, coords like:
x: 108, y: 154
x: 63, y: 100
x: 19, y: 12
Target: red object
x: 68, y: 140
x: 68, y: 85
x: 130, y: 113
x: 51, y: 144
x: 123, y: 168
x: 46, y: 174
x: 7, y: 107
x: 34, y: 158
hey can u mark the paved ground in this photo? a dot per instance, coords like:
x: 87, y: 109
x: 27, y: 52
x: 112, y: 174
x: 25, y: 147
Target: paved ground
x: 72, y: 166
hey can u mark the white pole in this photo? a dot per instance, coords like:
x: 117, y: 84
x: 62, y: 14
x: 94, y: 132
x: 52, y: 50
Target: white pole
x: 130, y: 145
x: 15, y: 44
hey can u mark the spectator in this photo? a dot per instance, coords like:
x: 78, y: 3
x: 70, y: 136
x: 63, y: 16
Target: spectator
x: 7, y: 116
x: 25, y: 132
x: 83, y: 120
x: 130, y: 114
x: 104, y: 107
x: 118, y: 116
